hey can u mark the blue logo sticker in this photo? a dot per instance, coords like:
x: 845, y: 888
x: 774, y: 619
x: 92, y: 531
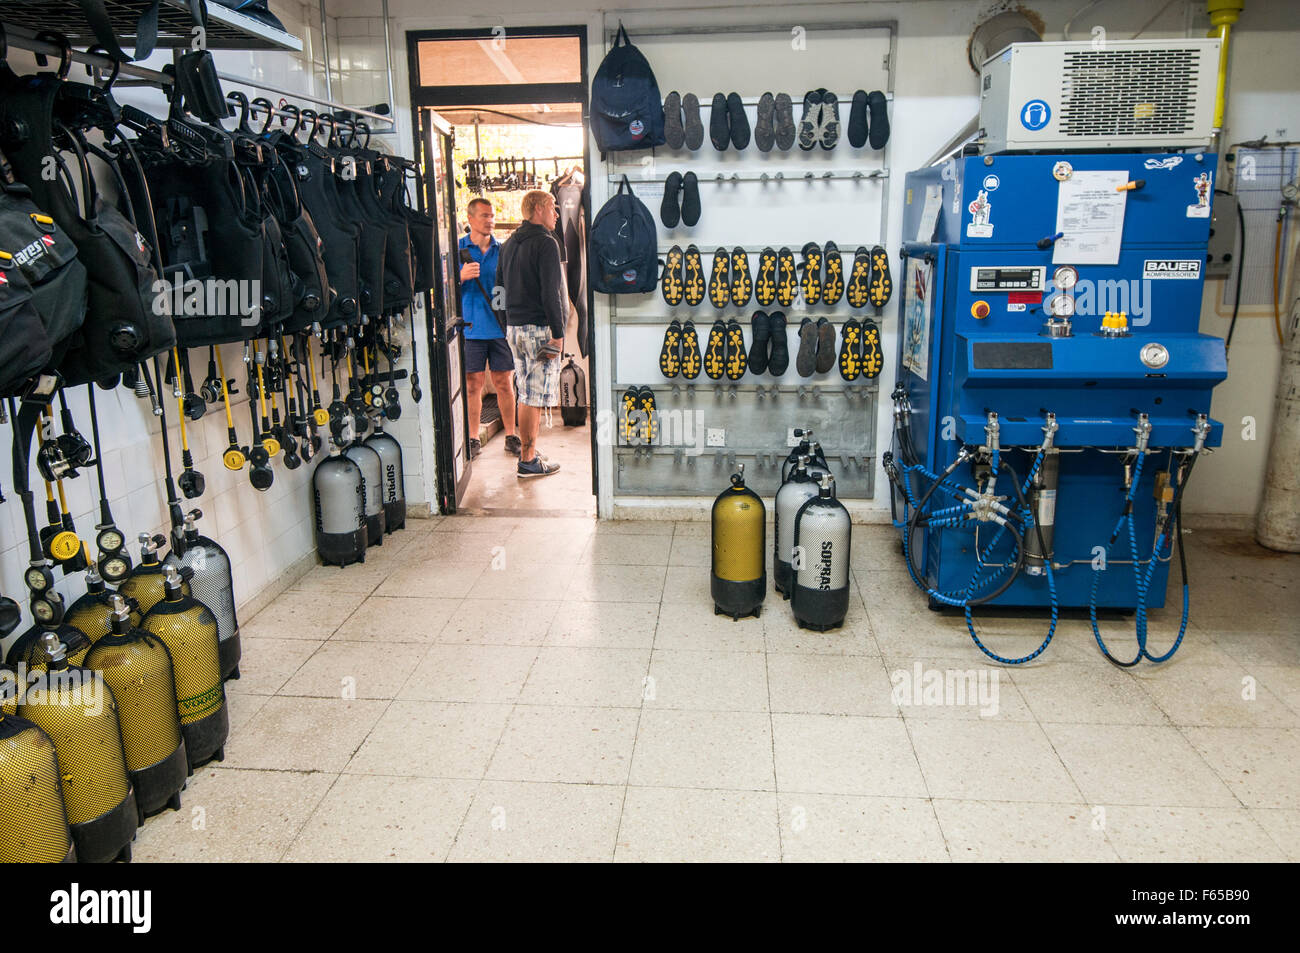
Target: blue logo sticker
x: 1035, y: 114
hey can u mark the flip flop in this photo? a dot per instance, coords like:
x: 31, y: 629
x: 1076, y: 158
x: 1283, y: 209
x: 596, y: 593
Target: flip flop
x: 691, y: 122
x: 715, y: 352
x: 778, y: 361
x: 719, y: 127
x: 764, y: 128
x: 674, y: 133
x: 878, y: 106
x: 858, y: 120
x: 628, y: 427
x: 690, y: 200
x: 670, y: 209
x: 881, y: 286
x: 741, y: 285
x: 738, y: 121
x: 670, y: 355
x: 809, y: 122
x: 761, y: 342
x: 806, y: 360
x: 735, y: 351
x: 787, y: 280
x: 859, y: 278
x: 649, y: 423
x: 693, y: 276
x: 719, y: 285
x: 851, y: 350
x: 671, y: 285
x: 690, y: 352
x: 833, y: 286
x: 830, y: 124
x: 825, y: 346
x: 784, y: 122
x: 873, y: 359
x: 765, y: 281
x: 811, y: 285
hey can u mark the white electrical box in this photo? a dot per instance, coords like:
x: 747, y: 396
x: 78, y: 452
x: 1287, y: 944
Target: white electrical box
x: 1099, y: 94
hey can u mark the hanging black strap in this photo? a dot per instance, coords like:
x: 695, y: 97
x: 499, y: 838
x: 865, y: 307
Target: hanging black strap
x: 621, y: 35
x: 625, y: 184
x: 146, y: 27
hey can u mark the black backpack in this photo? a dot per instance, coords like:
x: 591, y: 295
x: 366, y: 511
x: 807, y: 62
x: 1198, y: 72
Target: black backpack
x: 627, y: 111
x: 573, y: 395
x: 622, y: 249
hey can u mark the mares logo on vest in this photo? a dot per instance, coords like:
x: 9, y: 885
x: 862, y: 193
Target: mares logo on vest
x: 35, y: 250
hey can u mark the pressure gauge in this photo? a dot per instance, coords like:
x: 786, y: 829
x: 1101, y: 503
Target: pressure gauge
x: 1154, y: 355
x: 1291, y: 192
x: 114, y: 568
x: 1061, y: 306
x: 38, y: 578
x: 110, y: 540
x: 44, y: 611
x: 1065, y: 277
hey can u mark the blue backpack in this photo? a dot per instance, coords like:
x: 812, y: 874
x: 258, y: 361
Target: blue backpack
x: 627, y: 111
x: 623, y: 252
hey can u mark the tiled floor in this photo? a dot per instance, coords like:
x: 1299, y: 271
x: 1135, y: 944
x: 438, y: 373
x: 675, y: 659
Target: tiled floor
x: 493, y: 486
x: 488, y: 688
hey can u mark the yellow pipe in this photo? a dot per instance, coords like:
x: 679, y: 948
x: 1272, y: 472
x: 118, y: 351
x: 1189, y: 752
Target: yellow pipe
x: 1223, y: 14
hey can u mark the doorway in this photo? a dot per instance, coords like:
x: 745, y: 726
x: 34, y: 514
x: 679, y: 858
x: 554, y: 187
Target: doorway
x: 500, y: 113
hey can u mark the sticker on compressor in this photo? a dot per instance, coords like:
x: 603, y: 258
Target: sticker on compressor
x: 1171, y: 268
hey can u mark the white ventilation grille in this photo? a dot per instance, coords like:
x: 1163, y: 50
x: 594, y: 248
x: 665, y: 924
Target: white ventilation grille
x: 1129, y: 92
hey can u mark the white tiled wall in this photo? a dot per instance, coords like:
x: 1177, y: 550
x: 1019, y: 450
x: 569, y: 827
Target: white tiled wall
x: 266, y: 534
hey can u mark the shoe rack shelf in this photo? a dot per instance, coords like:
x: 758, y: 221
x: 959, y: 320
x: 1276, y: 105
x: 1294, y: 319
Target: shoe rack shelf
x: 226, y: 29
x: 672, y: 471
x: 777, y: 177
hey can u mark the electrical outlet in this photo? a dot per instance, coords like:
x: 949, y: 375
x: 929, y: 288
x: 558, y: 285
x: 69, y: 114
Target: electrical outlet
x: 790, y: 439
x: 716, y: 437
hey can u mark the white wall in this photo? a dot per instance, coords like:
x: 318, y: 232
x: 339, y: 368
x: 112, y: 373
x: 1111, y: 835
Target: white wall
x: 935, y: 94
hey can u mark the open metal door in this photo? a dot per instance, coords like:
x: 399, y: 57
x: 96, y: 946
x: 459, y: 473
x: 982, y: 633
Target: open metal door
x: 445, y: 324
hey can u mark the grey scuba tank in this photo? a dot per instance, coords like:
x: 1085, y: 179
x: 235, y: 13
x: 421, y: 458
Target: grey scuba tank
x: 822, y: 538
x: 338, y: 494
x: 213, y: 584
x: 373, y: 490
x: 794, y: 492
x: 807, y: 447
x: 394, y: 489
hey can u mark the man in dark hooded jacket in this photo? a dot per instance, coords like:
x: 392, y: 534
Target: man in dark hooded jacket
x: 537, y: 311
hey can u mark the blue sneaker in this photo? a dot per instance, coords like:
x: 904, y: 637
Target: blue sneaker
x: 539, y: 466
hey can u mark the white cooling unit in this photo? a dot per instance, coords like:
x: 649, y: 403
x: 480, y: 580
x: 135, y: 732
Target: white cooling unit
x: 1116, y: 94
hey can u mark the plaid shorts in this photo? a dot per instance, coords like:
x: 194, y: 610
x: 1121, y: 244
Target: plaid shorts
x: 537, y: 380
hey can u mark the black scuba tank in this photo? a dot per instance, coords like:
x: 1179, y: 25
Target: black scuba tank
x: 822, y: 540
x: 212, y: 583
x: 76, y: 708
x: 189, y: 630
x: 338, y: 495
x: 368, y: 459
x: 798, y: 488
x: 390, y: 473
x: 739, y: 576
x: 138, y: 668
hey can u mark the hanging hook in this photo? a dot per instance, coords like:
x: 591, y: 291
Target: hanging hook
x: 365, y: 127
x: 314, y: 118
x: 117, y: 65
x: 65, y: 51
x: 242, y: 100
x: 351, y: 142
x: 266, y: 104
x: 289, y: 109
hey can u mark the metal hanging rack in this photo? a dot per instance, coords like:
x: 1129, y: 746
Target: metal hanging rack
x: 780, y: 175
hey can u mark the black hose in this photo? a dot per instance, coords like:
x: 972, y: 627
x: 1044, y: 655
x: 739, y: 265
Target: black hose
x: 1241, y: 261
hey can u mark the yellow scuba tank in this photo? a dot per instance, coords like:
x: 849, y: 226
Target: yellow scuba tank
x: 739, y: 577
x: 189, y: 630
x: 145, y: 584
x: 90, y: 612
x: 33, y: 821
x: 138, y: 668
x: 75, y: 707
x: 11, y: 690
x: 30, y: 650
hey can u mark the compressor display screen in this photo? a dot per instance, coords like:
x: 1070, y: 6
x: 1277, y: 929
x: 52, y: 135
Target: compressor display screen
x: 995, y: 278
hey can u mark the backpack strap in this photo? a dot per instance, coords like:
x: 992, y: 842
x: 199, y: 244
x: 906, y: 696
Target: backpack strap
x: 625, y: 184
x: 621, y: 35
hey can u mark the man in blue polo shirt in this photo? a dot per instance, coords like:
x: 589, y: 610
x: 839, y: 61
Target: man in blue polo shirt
x: 486, y: 350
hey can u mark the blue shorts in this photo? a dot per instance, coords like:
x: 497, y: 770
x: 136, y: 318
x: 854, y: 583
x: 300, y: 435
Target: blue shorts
x: 493, y: 353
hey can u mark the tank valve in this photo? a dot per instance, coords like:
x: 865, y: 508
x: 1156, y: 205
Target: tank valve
x: 1049, y: 431
x: 1143, y: 431
x: 118, y: 607
x: 1202, y: 430
x: 55, y: 649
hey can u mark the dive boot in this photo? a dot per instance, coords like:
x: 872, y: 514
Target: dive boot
x: 735, y: 353
x: 715, y: 352
x: 765, y: 282
x: 787, y: 281
x: 690, y: 352
x: 719, y: 284
x: 761, y: 344
x: 646, y: 415
x: 805, y: 363
x: 671, y: 285
x: 693, y: 276
x: 627, y: 421
x: 778, y: 361
x: 742, y: 287
x: 873, y: 359
x: 851, y: 350
x: 811, y: 286
x: 881, y: 286
x: 833, y: 285
x: 670, y: 355
x: 859, y: 278
x: 825, y: 346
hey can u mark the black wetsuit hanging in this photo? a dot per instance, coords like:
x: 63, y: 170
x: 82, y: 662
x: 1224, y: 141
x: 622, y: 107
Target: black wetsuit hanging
x: 571, y: 231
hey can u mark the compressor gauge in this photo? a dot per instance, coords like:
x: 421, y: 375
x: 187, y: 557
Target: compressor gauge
x: 1061, y: 306
x: 1065, y: 277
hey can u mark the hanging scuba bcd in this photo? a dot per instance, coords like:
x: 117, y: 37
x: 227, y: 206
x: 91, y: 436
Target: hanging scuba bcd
x: 213, y: 585
x: 76, y: 708
x: 189, y: 630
